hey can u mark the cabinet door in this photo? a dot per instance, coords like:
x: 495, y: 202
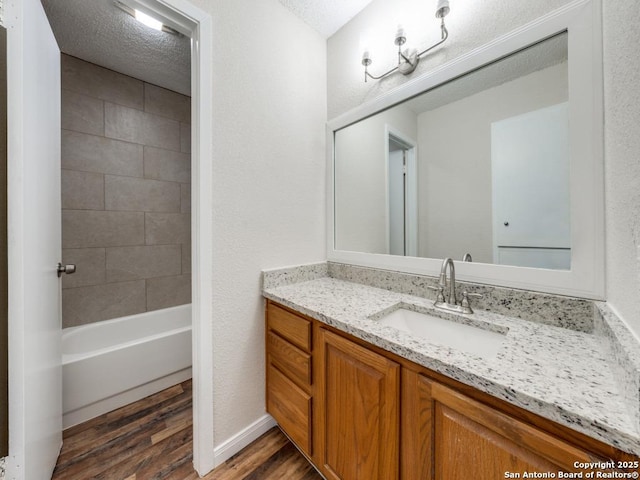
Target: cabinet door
x: 464, y: 436
x: 358, y: 391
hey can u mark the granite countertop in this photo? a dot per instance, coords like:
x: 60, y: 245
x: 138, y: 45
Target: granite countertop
x: 560, y: 374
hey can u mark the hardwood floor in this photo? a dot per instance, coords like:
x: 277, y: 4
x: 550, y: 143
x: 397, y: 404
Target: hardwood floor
x: 152, y: 440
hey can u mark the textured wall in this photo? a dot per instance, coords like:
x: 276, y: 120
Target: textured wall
x: 622, y: 157
x: 126, y: 186
x: 269, y: 74
x: 470, y: 23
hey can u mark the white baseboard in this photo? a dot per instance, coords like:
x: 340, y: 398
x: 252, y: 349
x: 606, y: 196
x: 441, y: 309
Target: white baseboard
x: 82, y: 414
x: 233, y: 445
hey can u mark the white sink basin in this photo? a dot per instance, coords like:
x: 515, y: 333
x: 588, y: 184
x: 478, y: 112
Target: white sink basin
x: 467, y: 338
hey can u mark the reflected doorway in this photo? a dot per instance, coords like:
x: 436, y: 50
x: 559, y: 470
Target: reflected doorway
x: 401, y: 194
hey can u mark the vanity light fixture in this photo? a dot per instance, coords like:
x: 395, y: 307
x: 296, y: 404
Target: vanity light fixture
x: 409, y: 58
x: 146, y: 19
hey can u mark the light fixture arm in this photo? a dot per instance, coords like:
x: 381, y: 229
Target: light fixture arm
x: 408, y: 60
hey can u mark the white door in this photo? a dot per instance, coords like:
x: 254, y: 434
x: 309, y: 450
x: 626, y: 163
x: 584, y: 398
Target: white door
x: 35, y: 386
x: 530, y: 172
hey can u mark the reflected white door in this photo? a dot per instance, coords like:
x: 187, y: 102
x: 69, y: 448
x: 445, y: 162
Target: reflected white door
x: 35, y: 386
x: 530, y: 172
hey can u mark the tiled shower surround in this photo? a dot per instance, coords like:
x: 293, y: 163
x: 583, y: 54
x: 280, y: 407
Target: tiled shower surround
x: 126, y: 173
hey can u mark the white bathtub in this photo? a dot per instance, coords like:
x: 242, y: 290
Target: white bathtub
x: 108, y: 364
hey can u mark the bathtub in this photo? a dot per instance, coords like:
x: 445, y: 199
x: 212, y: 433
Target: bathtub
x: 109, y: 364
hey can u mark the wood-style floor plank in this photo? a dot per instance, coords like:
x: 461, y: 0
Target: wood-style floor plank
x: 152, y: 439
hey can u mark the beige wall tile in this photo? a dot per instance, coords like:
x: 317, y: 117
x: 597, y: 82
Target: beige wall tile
x: 82, y: 190
x: 166, y: 103
x: 161, y: 164
x: 132, y: 125
x: 185, y: 138
x: 166, y: 292
x: 167, y: 228
x: 101, y: 155
x: 93, y: 228
x: 89, y: 79
x: 102, y: 302
x: 137, y: 194
x: 124, y: 123
x: 82, y: 113
x: 90, y: 267
x: 186, y: 258
x: 132, y: 263
x: 185, y: 198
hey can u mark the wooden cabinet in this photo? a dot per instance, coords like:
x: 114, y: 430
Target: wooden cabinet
x: 358, y: 411
x: 288, y: 389
x: 456, y: 435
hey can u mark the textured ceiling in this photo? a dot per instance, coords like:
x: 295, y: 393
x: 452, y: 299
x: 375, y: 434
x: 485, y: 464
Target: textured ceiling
x: 99, y: 32
x: 326, y: 16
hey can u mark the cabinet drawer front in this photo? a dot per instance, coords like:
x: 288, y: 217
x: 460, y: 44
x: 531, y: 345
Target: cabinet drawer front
x: 290, y: 326
x: 291, y: 360
x: 291, y: 407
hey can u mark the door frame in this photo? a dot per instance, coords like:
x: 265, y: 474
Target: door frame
x: 199, y: 26
x: 411, y: 191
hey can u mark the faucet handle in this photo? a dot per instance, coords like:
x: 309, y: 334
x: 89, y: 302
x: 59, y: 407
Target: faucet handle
x: 466, y: 306
x: 439, y: 292
x: 469, y: 294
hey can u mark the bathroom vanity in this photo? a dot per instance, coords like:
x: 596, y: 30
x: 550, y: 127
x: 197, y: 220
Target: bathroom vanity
x: 495, y: 156
x: 362, y: 399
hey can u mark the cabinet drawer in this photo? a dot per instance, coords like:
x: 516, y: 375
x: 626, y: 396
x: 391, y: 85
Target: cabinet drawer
x: 295, y: 363
x: 290, y: 326
x: 291, y: 407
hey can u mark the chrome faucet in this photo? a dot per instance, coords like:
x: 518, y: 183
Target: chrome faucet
x: 448, y: 300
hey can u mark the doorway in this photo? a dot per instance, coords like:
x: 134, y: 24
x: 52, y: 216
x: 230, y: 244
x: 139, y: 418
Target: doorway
x: 402, y: 209
x: 25, y: 441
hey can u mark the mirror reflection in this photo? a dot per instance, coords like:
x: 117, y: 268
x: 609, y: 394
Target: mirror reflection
x: 478, y: 166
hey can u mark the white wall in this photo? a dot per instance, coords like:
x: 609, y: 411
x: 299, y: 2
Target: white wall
x: 622, y: 157
x: 269, y: 71
x: 361, y: 180
x: 454, y: 168
x: 470, y: 23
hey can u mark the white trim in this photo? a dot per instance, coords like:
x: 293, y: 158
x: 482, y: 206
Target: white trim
x: 233, y: 445
x: 199, y: 25
x: 582, y: 20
